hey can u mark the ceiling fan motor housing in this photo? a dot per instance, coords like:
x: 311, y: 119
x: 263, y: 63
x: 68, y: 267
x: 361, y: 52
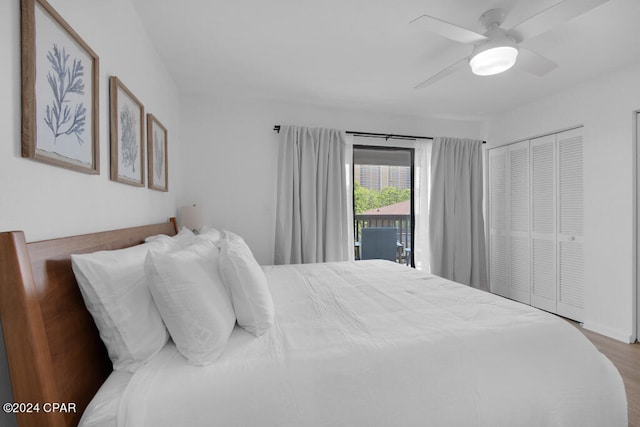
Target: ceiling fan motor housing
x: 492, y: 18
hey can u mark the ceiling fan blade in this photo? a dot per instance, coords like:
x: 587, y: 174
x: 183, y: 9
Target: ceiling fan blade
x: 449, y: 70
x: 448, y: 30
x: 534, y: 63
x: 552, y: 16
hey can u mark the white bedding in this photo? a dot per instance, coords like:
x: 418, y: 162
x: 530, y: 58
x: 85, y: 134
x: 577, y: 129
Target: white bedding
x: 374, y: 343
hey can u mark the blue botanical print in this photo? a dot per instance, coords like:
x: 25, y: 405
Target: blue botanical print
x: 158, y: 154
x: 129, y: 146
x: 65, y: 79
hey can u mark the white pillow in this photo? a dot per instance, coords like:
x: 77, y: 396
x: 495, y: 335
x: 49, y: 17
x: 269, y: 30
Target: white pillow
x: 209, y: 233
x: 113, y: 286
x: 252, y: 300
x: 182, y: 239
x: 192, y: 300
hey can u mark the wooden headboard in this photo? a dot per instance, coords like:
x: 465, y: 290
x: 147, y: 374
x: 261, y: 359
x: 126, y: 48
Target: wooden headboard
x: 53, y: 348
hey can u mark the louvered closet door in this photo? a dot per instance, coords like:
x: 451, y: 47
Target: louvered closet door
x: 499, y: 283
x: 519, y: 273
x: 543, y: 223
x: 570, y: 225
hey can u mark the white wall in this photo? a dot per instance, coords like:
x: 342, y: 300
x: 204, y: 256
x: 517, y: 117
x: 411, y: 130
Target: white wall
x: 46, y: 201
x: 230, y: 159
x: 605, y: 107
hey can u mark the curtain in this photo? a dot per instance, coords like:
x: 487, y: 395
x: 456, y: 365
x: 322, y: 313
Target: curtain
x: 312, y: 204
x: 422, y: 159
x: 456, y: 223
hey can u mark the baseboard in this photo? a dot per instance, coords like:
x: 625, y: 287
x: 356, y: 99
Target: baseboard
x: 616, y: 334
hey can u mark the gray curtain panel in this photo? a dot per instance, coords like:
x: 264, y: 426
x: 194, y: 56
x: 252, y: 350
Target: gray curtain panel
x: 456, y: 222
x: 311, y: 213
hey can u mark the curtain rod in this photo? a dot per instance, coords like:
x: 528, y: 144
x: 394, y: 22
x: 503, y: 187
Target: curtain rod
x: 386, y: 136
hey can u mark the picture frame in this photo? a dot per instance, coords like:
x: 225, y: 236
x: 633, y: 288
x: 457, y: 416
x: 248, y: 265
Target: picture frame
x: 157, y: 155
x: 60, y: 91
x: 126, y: 135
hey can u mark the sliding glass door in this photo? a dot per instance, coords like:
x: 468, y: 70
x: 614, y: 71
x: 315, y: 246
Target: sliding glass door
x: 383, y: 198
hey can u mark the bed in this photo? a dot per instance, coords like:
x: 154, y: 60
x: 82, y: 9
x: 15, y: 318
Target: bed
x: 355, y: 343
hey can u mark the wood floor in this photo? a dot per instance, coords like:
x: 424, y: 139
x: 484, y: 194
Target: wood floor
x: 626, y: 357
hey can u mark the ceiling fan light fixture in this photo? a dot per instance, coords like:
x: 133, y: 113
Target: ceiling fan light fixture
x: 493, y: 61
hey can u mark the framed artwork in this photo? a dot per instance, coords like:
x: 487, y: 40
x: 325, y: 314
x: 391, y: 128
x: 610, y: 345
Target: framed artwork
x: 157, y: 154
x: 59, y: 91
x: 127, y: 135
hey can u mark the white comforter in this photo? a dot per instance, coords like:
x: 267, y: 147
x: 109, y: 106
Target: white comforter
x: 373, y: 343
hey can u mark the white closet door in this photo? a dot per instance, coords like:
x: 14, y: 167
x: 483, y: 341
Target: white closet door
x: 519, y: 242
x: 570, y: 225
x: 499, y: 282
x: 543, y: 223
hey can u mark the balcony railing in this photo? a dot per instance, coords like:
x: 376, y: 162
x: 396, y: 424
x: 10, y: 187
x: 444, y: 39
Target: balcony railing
x: 401, y: 222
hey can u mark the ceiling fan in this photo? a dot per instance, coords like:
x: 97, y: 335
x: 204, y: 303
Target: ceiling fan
x: 498, y: 49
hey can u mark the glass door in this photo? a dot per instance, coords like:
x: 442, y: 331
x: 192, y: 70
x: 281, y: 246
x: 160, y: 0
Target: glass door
x: 383, y: 197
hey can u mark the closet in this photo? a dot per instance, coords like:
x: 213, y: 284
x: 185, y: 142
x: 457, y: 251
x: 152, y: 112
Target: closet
x: 536, y: 222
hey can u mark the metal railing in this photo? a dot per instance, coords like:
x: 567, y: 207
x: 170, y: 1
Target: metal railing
x: 401, y: 222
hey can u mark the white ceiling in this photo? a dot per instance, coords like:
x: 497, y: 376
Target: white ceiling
x: 364, y: 54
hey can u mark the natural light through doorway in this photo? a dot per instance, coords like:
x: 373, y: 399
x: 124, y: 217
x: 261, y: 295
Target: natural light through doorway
x: 382, y: 199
